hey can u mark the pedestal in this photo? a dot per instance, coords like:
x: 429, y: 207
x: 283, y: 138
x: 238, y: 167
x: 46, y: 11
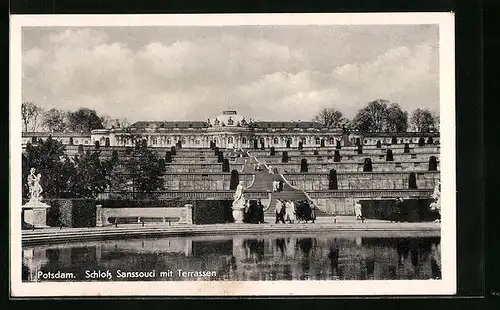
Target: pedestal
x: 238, y: 214
x: 35, y: 213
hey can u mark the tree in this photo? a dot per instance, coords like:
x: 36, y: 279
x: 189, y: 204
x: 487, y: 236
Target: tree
x: 29, y: 114
x: 329, y: 118
x: 84, y: 120
x: 55, y: 120
x: 90, y: 175
x: 373, y: 117
x: 422, y: 120
x: 57, y: 170
x: 144, y: 172
x: 397, y: 119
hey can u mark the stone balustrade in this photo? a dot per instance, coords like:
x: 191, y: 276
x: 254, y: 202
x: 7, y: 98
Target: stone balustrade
x: 199, y: 167
x: 430, y: 150
x: 363, y: 180
x: 324, y: 167
x: 205, y: 182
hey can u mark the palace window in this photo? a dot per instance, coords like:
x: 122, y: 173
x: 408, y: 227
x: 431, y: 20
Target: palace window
x: 155, y: 141
x: 275, y: 141
x: 318, y: 140
x: 197, y: 142
x: 244, y: 140
x: 332, y: 141
x: 230, y: 140
x: 303, y: 139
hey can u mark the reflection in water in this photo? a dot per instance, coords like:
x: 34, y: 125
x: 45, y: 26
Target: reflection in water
x: 290, y: 257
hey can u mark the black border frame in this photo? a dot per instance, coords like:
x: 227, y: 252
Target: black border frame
x: 471, y: 259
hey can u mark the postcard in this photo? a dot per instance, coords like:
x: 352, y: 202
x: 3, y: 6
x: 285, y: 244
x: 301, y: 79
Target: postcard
x: 232, y: 155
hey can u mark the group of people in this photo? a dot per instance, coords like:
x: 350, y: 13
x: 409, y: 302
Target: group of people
x: 254, y: 212
x: 288, y: 211
x: 277, y: 186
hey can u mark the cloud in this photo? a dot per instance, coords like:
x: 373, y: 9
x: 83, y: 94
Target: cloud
x: 198, y: 77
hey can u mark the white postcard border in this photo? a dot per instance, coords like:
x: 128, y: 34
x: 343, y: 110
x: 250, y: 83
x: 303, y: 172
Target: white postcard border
x: 445, y: 286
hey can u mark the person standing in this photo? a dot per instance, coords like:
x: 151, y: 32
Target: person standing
x: 358, y: 211
x: 396, y: 212
x: 279, y: 208
x: 260, y: 211
x: 290, y: 211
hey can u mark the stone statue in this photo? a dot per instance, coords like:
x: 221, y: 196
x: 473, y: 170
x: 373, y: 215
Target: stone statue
x: 35, y: 188
x: 238, y: 197
x: 238, y: 203
x: 35, y: 211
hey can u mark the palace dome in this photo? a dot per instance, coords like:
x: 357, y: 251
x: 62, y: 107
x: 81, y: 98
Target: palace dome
x: 228, y: 118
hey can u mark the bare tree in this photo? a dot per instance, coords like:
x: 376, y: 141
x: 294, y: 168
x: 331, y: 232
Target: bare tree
x: 29, y: 115
x: 422, y: 120
x: 329, y: 117
x: 55, y: 120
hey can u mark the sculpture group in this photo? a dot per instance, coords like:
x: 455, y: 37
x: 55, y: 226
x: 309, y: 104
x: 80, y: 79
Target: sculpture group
x: 35, y: 189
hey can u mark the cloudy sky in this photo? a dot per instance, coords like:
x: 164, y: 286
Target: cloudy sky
x: 263, y: 72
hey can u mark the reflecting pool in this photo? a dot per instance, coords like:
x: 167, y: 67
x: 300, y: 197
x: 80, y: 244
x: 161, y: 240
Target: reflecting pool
x: 237, y: 258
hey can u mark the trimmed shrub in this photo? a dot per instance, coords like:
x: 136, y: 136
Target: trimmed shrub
x: 179, y: 144
x: 272, y: 153
x: 225, y: 165
x: 34, y: 140
x: 216, y: 151
x: 284, y: 157
x: 114, y: 156
x: 421, y: 141
x: 360, y: 149
x: 379, y: 144
x: 367, y: 165
x: 407, y: 148
x: 412, y: 181
x: 72, y: 213
x: 161, y: 163
x: 235, y: 179
x: 303, y: 165
x: 433, y: 163
x: 336, y: 156
x: 212, y: 212
x: 144, y: 143
x: 168, y: 157
x: 389, y: 156
x: 96, y: 145
x: 173, y: 150
x: 332, y: 179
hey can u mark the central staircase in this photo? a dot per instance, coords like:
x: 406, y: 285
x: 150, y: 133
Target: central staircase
x: 264, y: 182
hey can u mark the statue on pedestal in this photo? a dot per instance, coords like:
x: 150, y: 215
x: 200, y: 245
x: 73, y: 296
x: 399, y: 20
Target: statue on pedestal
x: 238, y: 203
x: 35, y: 211
x: 35, y: 189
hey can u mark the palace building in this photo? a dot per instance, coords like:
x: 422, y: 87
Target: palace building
x: 231, y: 130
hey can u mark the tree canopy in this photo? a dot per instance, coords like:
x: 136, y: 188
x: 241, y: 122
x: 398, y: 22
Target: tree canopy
x: 30, y: 113
x: 84, y: 120
x: 422, y: 120
x: 329, y: 117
